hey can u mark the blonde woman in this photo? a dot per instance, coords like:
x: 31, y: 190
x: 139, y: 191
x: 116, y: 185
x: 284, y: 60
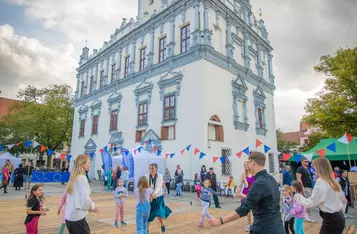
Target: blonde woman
x: 78, y: 202
x: 328, y: 196
x: 246, y: 179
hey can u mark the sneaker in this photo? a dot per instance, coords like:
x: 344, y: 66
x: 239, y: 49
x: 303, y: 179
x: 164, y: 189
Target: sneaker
x: 116, y: 225
x: 349, y: 216
x: 201, y: 225
x: 163, y: 229
x: 123, y: 223
x: 248, y: 228
x: 309, y: 220
x: 346, y: 217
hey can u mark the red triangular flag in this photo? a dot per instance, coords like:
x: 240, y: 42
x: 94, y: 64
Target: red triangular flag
x: 196, y: 151
x: 111, y: 145
x: 182, y: 151
x: 62, y: 156
x: 42, y: 148
x: 258, y: 143
x: 322, y: 152
x: 155, y: 149
x: 101, y: 151
x: 18, y: 144
x: 349, y: 137
x: 215, y: 159
x: 167, y: 155
x: 134, y: 151
x: 286, y: 156
x: 239, y: 154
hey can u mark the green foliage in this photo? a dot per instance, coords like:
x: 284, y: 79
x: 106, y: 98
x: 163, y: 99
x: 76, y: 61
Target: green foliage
x: 334, y: 109
x: 43, y: 114
x: 284, y: 146
x: 314, y: 139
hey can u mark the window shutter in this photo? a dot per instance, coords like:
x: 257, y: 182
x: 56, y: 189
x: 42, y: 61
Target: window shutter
x: 221, y: 133
x: 137, y: 136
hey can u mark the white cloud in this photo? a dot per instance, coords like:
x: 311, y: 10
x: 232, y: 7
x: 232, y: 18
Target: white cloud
x: 25, y: 61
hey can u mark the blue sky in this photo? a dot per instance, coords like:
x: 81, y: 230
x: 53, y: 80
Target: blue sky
x: 41, y: 41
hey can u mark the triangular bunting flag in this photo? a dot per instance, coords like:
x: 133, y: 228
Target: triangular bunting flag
x: 188, y: 148
x: 246, y: 151
x: 101, y: 151
x: 266, y: 149
x: 223, y: 159
x: 346, y: 139
x: 332, y: 147
x: 196, y: 151
x: 167, y: 155
x: 155, y: 149
x: 286, y: 156
x: 91, y: 155
x: 115, y: 148
x: 309, y: 156
x: 239, y: 154
x: 62, y: 156
x: 172, y: 155
x: 134, y: 150
x: 215, y: 159
x: 28, y: 143
x: 1, y: 147
x: 321, y: 152
x: 35, y: 144
x: 111, y: 145
x: 139, y: 149
x: 49, y: 152
x: 297, y: 158
x: 258, y: 143
x: 202, y: 155
x: 42, y: 148
x: 105, y: 148
x: 148, y: 142
x: 18, y: 144
x: 69, y: 157
x: 182, y: 151
x: 10, y: 146
x: 158, y: 152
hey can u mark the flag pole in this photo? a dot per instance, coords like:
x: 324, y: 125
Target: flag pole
x: 348, y: 153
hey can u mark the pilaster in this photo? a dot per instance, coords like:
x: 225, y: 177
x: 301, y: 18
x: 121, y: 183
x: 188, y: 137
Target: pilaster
x: 119, y: 62
x: 246, y: 51
x: 260, y: 61
x: 171, y: 45
x: 229, y: 44
x: 196, y: 34
x: 207, y: 33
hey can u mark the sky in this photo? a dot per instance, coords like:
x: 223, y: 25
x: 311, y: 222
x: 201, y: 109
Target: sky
x: 41, y: 40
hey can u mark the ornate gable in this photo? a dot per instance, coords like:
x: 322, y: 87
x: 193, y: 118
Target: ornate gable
x: 170, y: 79
x: 90, y: 146
x: 151, y: 135
x: 259, y: 96
x: 144, y: 88
x: 117, y: 139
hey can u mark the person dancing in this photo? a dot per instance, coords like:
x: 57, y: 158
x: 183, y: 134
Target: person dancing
x: 157, y: 206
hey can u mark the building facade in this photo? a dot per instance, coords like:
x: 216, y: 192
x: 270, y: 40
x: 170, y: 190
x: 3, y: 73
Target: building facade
x: 190, y: 72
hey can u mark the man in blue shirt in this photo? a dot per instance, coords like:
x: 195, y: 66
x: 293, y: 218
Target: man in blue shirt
x: 263, y: 199
x: 287, y: 178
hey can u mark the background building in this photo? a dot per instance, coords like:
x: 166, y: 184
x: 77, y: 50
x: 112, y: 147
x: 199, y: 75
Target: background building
x: 185, y: 72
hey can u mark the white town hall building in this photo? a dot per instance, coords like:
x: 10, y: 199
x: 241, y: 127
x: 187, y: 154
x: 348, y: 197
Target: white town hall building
x: 185, y: 72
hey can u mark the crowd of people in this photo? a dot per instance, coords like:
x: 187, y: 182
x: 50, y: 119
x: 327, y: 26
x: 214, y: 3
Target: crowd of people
x: 258, y: 190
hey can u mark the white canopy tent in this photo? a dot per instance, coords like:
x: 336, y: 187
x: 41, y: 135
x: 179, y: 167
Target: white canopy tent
x: 15, y: 161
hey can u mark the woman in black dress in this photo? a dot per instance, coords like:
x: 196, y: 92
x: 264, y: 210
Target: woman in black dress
x: 19, y: 177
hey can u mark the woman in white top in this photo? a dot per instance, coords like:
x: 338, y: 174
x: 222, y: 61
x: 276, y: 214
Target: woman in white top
x: 157, y: 206
x: 78, y: 202
x: 328, y: 196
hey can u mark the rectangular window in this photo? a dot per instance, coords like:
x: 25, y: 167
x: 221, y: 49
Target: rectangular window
x: 101, y: 79
x: 127, y: 66
x: 139, y: 135
x: 271, y: 163
x: 215, y: 132
x: 142, y: 59
x: 162, y: 49
x: 114, y: 65
x: 211, y: 132
x: 227, y: 165
x: 82, y: 127
x: 142, y: 114
x: 91, y: 84
x: 95, y: 124
x: 260, y: 117
x: 169, y: 107
x: 82, y: 89
x: 306, y: 141
x: 185, y: 38
x: 168, y: 132
x: 114, y: 120
x: 241, y: 110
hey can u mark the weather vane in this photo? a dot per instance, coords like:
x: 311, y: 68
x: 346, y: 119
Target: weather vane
x: 260, y: 13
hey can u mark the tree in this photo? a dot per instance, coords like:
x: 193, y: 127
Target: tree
x: 314, y: 139
x: 42, y: 114
x: 334, y: 108
x: 284, y: 146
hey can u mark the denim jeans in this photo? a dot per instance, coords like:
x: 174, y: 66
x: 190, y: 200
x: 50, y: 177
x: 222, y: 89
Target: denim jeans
x: 142, y: 216
x: 179, y: 190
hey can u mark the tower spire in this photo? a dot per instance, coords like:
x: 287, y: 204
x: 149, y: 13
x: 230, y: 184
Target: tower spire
x: 86, y: 43
x: 260, y: 13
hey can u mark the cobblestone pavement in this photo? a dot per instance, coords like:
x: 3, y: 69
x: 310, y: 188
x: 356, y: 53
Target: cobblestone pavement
x: 184, y: 219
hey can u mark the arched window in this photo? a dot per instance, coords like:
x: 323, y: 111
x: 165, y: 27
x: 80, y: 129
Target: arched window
x: 215, y: 129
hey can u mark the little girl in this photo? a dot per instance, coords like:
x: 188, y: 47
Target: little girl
x: 298, y: 210
x: 34, y: 209
x: 287, y: 206
x: 120, y: 194
x: 144, y: 195
x: 62, y: 204
x: 206, y: 195
x: 197, y: 183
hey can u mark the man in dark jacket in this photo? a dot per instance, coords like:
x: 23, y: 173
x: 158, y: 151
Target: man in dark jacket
x: 212, y: 177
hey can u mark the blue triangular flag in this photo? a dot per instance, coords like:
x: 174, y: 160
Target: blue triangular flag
x: 332, y: 147
x: 91, y: 154
x: 69, y: 157
x: 115, y: 148
x: 158, y: 152
x: 105, y: 148
x: 139, y: 149
x: 188, y: 148
x: 148, y: 142
x: 202, y: 155
x: 1, y: 147
x: 126, y: 152
x: 246, y: 151
x: 223, y: 159
x: 297, y: 157
x: 49, y: 152
x: 266, y: 149
x: 28, y: 143
x: 172, y: 155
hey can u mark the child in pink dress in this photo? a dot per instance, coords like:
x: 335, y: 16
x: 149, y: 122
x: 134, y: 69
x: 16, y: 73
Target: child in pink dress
x: 62, y: 204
